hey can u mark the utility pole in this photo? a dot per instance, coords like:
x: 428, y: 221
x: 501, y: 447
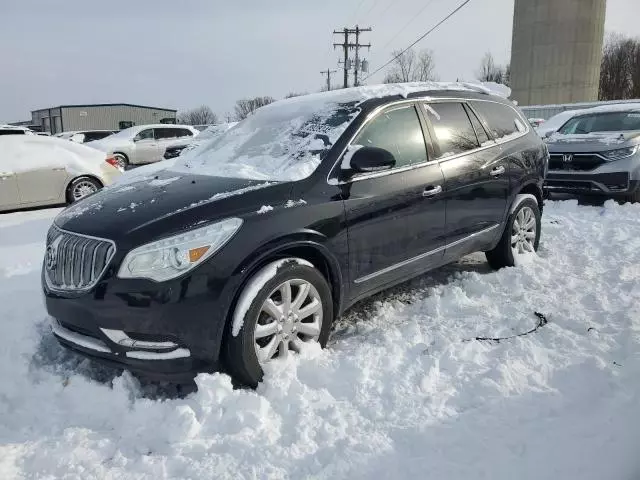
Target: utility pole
x: 357, y: 57
x: 328, y: 73
x: 346, y: 45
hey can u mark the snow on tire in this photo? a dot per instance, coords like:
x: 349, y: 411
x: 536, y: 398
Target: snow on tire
x: 284, y: 306
x: 521, y: 234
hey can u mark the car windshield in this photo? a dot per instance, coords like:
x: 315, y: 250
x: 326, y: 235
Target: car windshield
x: 602, y: 122
x: 284, y: 141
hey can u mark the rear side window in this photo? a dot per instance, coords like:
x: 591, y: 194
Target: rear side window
x: 502, y: 119
x: 184, y: 132
x: 167, y: 133
x: 399, y: 132
x: 91, y: 136
x: 452, y: 128
x: 481, y: 133
x: 12, y: 132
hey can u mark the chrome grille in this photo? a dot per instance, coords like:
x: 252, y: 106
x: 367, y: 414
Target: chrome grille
x: 75, y: 262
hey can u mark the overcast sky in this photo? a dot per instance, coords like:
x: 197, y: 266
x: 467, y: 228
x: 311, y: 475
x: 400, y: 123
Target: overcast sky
x: 181, y: 54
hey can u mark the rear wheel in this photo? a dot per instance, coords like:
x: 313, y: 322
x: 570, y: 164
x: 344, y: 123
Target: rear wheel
x: 82, y: 187
x: 289, y: 305
x: 121, y: 160
x: 521, y: 235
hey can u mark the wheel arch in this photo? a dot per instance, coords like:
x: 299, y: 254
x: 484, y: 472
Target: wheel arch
x: 531, y: 188
x: 304, y: 247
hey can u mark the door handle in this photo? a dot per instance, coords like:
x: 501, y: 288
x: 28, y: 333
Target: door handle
x: 497, y: 171
x: 58, y: 169
x: 432, y: 191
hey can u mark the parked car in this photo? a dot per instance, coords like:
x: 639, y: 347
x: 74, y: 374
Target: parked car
x: 13, y: 130
x: 252, y: 246
x: 597, y: 152
x: 144, y: 143
x: 210, y: 133
x: 86, y: 136
x: 37, y: 171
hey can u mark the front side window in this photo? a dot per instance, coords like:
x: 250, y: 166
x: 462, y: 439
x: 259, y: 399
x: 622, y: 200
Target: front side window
x: 145, y: 134
x: 399, y: 132
x: 602, y: 122
x: 452, y: 128
x: 502, y: 119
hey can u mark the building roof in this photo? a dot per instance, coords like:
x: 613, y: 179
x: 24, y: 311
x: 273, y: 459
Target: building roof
x: 107, y: 105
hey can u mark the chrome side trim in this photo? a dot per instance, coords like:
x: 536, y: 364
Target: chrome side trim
x: 404, y: 263
x: 78, y: 339
x: 334, y: 181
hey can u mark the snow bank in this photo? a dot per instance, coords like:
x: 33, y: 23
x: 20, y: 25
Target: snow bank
x: 402, y: 391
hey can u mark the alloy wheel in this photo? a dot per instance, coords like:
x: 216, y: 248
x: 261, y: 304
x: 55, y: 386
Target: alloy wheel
x: 82, y: 189
x: 290, y: 316
x: 523, y: 232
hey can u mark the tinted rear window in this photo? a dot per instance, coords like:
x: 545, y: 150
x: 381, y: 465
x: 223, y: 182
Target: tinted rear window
x: 502, y: 119
x: 452, y: 128
x: 12, y: 132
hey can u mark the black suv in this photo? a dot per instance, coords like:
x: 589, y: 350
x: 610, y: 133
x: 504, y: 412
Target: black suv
x: 250, y: 246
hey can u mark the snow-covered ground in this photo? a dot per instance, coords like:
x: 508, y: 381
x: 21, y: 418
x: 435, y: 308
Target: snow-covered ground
x: 403, y: 391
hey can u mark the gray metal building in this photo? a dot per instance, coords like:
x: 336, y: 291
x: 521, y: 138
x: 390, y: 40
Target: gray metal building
x: 106, y: 116
x: 556, y: 51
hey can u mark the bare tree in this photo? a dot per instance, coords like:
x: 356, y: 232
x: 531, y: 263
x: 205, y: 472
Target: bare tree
x: 409, y: 67
x: 620, y: 68
x: 247, y: 106
x: 492, y: 72
x: 295, y: 94
x: 202, y: 115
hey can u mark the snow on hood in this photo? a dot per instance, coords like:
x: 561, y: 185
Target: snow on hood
x: 601, y: 138
x: 286, y: 140
x: 36, y: 151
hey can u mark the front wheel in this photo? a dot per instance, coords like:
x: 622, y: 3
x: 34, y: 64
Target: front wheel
x: 284, y: 306
x: 521, y: 235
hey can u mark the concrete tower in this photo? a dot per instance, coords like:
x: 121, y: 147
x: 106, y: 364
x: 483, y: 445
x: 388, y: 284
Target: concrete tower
x: 556, y: 50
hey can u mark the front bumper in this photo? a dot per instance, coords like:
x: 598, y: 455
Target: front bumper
x: 162, y: 331
x: 609, y: 183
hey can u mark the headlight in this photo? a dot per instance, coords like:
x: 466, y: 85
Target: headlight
x: 170, y: 257
x: 620, y: 153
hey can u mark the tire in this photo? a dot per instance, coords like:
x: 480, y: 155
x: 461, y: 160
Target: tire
x: 241, y: 351
x: 82, y: 187
x: 503, y: 254
x: 122, y: 160
x: 633, y: 197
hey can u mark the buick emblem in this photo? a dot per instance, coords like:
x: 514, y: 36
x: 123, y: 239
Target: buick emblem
x: 50, y: 256
x: 567, y: 158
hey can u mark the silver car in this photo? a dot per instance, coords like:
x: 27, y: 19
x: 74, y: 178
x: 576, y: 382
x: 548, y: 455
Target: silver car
x: 145, y: 143
x: 37, y: 171
x: 597, y: 152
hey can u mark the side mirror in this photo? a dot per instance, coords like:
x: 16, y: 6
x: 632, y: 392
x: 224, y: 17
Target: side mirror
x: 370, y: 159
x: 549, y: 133
x: 136, y: 139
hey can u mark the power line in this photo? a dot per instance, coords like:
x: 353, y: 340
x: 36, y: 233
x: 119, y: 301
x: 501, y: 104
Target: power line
x: 421, y: 37
x: 353, y: 15
x: 411, y: 20
x: 375, y: 3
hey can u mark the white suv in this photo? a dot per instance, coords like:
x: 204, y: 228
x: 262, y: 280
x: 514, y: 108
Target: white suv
x: 145, y: 143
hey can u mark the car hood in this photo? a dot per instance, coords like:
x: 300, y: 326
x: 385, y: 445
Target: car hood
x: 592, y: 142
x: 165, y: 203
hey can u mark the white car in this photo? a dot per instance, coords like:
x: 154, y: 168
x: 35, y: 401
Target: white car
x: 14, y: 130
x: 144, y: 143
x: 210, y: 133
x: 37, y: 171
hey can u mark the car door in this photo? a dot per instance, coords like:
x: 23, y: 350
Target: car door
x: 41, y: 171
x: 147, y: 150
x: 396, y: 217
x: 476, y: 178
x: 9, y: 196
